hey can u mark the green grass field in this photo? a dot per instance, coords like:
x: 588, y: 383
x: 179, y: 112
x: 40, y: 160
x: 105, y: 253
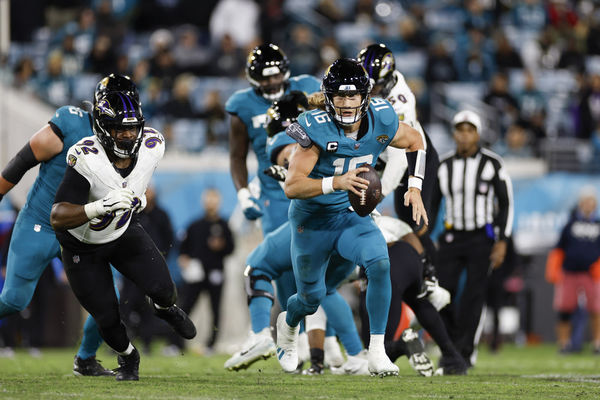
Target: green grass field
x: 515, y: 373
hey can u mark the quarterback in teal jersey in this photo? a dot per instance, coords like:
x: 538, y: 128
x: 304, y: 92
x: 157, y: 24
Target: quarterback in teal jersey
x: 33, y: 243
x: 268, y: 71
x: 333, y: 142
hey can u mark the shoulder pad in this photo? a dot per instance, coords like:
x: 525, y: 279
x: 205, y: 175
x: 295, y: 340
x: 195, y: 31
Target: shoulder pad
x: 297, y: 132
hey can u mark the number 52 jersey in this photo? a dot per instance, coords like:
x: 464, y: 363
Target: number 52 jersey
x: 90, y: 160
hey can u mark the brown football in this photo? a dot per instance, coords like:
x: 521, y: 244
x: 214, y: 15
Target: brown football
x: 369, y: 198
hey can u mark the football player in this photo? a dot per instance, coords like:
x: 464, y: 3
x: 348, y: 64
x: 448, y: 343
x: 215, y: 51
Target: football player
x: 103, y: 186
x: 406, y: 274
x: 349, y: 129
x: 33, y: 244
x: 272, y: 258
x: 268, y: 71
x: 390, y: 84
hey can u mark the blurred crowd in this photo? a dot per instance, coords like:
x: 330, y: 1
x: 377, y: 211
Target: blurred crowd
x: 531, y: 67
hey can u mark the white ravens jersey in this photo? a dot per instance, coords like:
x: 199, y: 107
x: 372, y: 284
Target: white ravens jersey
x: 89, y: 159
x: 404, y: 103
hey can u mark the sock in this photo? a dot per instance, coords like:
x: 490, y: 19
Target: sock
x: 128, y: 351
x: 260, y: 313
x: 376, y: 343
x: 91, y: 340
x: 317, y: 356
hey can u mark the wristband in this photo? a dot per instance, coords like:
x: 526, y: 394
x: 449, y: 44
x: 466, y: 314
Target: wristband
x: 415, y: 182
x: 327, y: 185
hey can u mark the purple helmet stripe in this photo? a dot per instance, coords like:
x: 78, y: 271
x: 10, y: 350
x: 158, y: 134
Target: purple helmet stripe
x: 124, y: 105
x: 132, y: 106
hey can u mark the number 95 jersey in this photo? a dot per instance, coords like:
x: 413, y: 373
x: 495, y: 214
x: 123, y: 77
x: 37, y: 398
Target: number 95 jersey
x: 90, y: 160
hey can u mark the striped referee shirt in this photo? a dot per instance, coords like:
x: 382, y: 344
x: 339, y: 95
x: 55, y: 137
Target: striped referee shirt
x: 478, y: 192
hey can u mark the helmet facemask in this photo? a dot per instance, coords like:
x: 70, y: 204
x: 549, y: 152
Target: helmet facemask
x: 264, y: 63
x: 117, y: 111
x: 346, y: 77
x: 337, y: 112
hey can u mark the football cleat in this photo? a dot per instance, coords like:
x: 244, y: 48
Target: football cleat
x: 356, y: 365
x: 177, y: 318
x: 258, y: 346
x: 128, y: 367
x: 379, y: 363
x: 417, y: 358
x: 333, y: 354
x: 90, y: 367
x: 287, y: 340
x: 452, y: 366
x: 315, y: 369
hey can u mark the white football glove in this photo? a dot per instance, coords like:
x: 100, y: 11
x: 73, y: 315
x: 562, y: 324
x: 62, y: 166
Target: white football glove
x: 250, y: 205
x: 437, y: 295
x: 118, y: 199
x: 276, y: 172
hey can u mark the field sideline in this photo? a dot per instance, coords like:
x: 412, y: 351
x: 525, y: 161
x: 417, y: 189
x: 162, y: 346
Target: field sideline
x: 515, y: 373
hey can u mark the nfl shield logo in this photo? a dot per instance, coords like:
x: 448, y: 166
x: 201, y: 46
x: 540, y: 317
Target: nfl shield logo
x: 76, y: 259
x: 300, y: 228
x: 356, y: 146
x: 124, y: 184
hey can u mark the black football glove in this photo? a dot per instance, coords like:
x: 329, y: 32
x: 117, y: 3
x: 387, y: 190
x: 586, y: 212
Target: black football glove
x: 276, y: 172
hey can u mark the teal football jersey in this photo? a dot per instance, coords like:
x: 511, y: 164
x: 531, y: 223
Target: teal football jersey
x: 339, y: 154
x: 72, y: 124
x: 276, y: 142
x: 252, y: 108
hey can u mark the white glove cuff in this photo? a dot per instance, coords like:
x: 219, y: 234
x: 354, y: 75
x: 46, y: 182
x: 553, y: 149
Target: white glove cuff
x: 94, y: 209
x: 243, y: 195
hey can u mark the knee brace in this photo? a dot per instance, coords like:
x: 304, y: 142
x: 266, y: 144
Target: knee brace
x: 564, y: 316
x: 250, y: 283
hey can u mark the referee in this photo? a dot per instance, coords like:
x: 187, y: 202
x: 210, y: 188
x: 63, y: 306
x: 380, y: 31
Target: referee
x: 478, y: 220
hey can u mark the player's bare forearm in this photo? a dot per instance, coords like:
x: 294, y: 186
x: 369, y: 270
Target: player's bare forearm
x: 239, y: 143
x: 408, y: 138
x: 67, y: 216
x: 239, y: 172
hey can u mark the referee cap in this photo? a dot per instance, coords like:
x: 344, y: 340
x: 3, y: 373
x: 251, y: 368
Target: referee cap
x: 467, y: 116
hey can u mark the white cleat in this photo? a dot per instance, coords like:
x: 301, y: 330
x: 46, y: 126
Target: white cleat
x: 333, y: 355
x: 417, y: 358
x: 356, y: 365
x: 258, y: 346
x: 287, y: 340
x: 380, y: 364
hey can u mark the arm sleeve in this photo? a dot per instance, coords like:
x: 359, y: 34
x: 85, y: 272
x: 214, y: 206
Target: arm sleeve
x: 73, y: 189
x: 394, y: 170
x: 503, y: 189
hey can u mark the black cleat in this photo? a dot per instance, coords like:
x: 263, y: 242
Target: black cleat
x: 90, y: 367
x: 128, y: 367
x: 315, y: 369
x: 417, y: 358
x: 452, y: 366
x: 177, y: 318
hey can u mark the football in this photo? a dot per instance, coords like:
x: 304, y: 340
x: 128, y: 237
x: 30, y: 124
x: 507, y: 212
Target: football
x: 369, y: 198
